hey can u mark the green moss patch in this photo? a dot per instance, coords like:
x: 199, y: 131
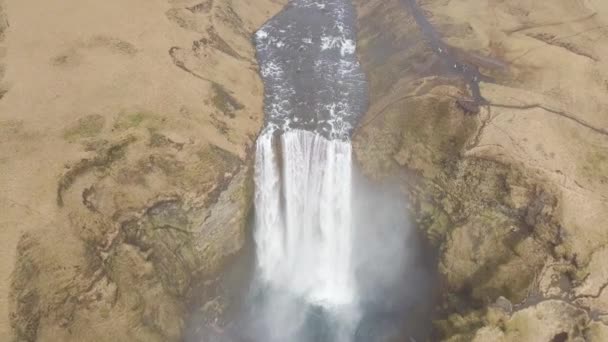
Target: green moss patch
x: 224, y: 101
x: 135, y: 120
x: 595, y: 165
x: 89, y: 126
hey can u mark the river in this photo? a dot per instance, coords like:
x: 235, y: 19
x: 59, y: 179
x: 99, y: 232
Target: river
x: 331, y: 252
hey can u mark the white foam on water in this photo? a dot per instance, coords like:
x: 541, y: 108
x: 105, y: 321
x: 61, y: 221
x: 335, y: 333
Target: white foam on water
x: 346, y: 46
x: 261, y: 34
x: 271, y: 70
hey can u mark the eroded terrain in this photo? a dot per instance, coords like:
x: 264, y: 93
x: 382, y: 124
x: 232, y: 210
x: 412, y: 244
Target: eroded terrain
x: 126, y: 131
x: 512, y: 193
x: 125, y: 164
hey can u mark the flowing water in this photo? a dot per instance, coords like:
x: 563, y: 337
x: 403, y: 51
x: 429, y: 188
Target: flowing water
x: 330, y: 253
x: 335, y: 258
x: 304, y: 232
x: 312, y: 77
x: 304, y: 245
x: 315, y: 91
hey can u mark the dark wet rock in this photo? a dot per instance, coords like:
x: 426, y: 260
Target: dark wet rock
x: 469, y: 107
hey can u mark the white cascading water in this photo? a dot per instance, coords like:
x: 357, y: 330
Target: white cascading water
x: 314, y: 93
x: 303, y: 217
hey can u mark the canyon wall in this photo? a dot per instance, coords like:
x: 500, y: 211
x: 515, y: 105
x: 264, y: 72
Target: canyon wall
x: 495, y: 126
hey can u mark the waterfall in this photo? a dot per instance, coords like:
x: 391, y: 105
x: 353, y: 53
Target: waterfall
x: 304, y: 235
x: 303, y: 223
x: 314, y: 93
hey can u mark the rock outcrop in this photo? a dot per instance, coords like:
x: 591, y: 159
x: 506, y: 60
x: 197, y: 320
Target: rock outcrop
x: 125, y: 134
x: 509, y: 186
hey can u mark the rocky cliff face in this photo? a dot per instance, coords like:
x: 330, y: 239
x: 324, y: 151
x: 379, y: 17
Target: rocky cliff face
x: 495, y: 127
x: 125, y: 133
